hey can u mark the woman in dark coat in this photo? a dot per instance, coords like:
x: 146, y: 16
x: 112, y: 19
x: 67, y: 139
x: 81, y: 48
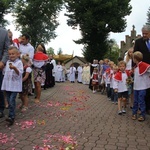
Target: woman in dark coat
x: 49, y: 82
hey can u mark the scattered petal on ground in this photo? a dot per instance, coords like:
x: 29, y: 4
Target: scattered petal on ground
x: 27, y: 124
x: 41, y: 122
x: 64, y: 142
x: 65, y: 108
x: 4, y: 139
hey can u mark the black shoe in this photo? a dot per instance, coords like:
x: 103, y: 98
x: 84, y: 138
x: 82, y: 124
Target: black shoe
x: 148, y: 112
x: 10, y: 121
x: 1, y: 115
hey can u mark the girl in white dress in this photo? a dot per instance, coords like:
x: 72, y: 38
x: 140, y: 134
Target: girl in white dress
x: 128, y: 60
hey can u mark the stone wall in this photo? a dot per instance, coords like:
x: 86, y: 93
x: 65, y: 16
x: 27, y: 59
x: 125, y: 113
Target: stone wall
x: 128, y: 43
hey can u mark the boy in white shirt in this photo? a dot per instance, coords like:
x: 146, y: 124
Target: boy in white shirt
x: 141, y: 83
x: 12, y: 81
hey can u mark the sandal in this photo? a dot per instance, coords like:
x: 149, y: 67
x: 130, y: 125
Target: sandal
x: 24, y: 109
x: 20, y: 106
x: 134, y: 117
x: 37, y: 101
x: 141, y: 118
x: 7, y: 106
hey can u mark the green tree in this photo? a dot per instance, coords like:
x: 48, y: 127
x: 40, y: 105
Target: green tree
x: 113, y: 52
x: 148, y: 17
x: 5, y: 8
x: 50, y: 50
x: 59, y: 51
x: 96, y: 19
x: 37, y: 18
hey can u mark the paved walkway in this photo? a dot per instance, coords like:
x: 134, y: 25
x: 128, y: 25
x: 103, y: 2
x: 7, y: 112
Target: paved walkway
x: 70, y: 115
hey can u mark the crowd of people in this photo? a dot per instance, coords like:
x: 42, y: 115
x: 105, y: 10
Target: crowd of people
x: 24, y: 68
x: 126, y: 82
x: 129, y: 80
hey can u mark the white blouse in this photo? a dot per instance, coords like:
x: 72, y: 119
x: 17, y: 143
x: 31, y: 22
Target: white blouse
x: 27, y: 49
x: 12, y: 81
x: 128, y: 64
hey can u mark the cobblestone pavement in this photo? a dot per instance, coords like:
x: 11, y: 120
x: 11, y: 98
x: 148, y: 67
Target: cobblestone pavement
x: 70, y: 115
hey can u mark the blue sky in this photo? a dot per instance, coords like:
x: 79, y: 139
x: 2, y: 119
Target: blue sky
x: 65, y: 34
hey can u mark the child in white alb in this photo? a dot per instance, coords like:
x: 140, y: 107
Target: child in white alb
x: 114, y: 96
x: 108, y: 77
x: 120, y: 86
x: 141, y: 83
x: 12, y: 81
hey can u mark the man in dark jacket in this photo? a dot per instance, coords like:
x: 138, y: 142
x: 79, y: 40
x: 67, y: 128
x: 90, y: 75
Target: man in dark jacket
x: 143, y: 45
x: 4, y: 44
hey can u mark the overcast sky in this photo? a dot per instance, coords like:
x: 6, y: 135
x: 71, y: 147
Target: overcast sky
x: 65, y: 34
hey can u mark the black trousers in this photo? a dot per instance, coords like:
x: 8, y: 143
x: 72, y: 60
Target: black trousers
x: 147, y: 99
x: 2, y: 103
